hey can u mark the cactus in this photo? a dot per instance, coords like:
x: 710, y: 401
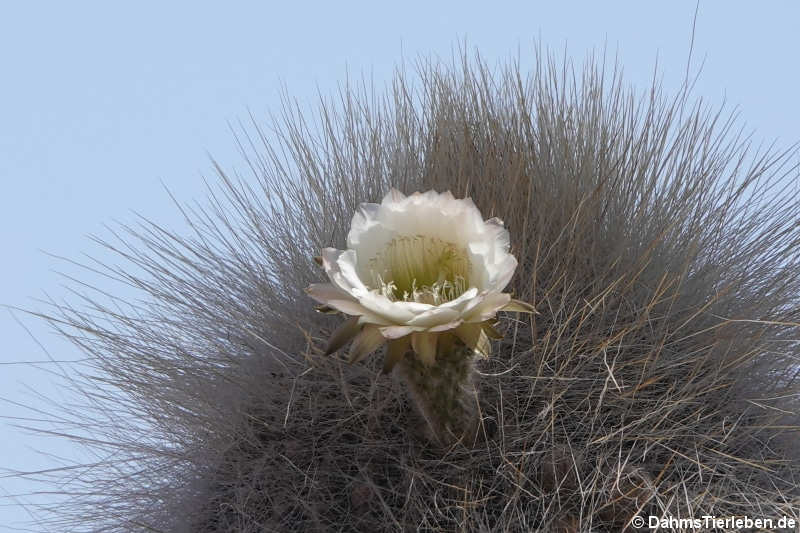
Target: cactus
x: 660, y: 375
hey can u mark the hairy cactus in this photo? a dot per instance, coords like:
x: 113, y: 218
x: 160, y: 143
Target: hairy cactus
x: 659, y: 375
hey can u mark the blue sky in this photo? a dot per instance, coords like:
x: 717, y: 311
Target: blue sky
x: 101, y: 102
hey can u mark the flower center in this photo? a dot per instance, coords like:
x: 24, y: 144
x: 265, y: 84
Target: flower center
x: 422, y: 269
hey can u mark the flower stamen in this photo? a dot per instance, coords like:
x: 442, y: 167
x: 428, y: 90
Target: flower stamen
x: 421, y: 269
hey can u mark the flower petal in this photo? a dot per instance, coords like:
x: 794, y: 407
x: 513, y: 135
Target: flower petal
x: 342, y: 335
x: 434, y: 317
x: 372, y: 318
x: 396, y: 332
x: 393, y: 196
x: 394, y: 353
x: 348, y: 307
x: 424, y: 345
x: 475, y: 338
x: 325, y: 292
x: 365, y: 217
x: 488, y: 308
x: 461, y: 302
x: 392, y: 312
x: 446, y: 327
x: 332, y: 296
x: 330, y: 263
x: 431, y: 214
x: 347, y: 262
x: 490, y: 331
x: 503, y: 272
x: 518, y: 306
x: 369, y: 340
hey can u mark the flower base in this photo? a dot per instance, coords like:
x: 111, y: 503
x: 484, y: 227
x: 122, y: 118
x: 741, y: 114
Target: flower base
x: 444, y: 393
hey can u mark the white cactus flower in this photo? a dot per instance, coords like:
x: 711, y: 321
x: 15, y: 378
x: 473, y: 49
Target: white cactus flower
x: 415, y: 267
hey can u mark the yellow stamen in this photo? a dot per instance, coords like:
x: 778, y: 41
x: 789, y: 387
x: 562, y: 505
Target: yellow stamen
x: 421, y: 269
